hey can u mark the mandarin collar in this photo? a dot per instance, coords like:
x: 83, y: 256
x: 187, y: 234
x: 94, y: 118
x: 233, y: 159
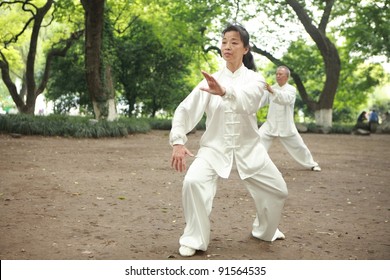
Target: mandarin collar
x: 236, y: 73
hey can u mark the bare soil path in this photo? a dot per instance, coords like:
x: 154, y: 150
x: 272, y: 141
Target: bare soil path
x: 116, y: 199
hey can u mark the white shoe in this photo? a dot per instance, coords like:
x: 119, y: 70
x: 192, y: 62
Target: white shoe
x: 186, y: 251
x: 316, y: 168
x: 278, y: 235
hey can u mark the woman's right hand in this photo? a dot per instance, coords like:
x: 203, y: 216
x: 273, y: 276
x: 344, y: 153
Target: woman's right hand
x: 178, y: 160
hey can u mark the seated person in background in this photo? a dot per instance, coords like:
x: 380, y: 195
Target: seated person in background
x: 373, y: 121
x: 362, y: 121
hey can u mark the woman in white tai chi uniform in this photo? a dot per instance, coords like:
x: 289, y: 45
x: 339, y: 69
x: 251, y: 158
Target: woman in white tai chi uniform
x: 230, y: 98
x: 280, y: 120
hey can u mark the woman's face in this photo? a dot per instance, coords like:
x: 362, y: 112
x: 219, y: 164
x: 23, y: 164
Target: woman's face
x: 232, y: 47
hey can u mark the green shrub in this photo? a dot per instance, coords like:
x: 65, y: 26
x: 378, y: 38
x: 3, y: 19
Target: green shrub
x: 311, y: 127
x: 87, y: 127
x: 133, y: 125
x: 71, y: 126
x: 166, y: 124
x: 341, y: 128
x: 161, y: 124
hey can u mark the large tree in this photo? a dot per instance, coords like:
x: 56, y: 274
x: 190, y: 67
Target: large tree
x: 154, y: 50
x: 357, y: 79
x: 30, y: 90
x: 150, y: 72
x: 67, y: 87
x: 98, y: 68
x: 331, y: 60
x: 283, y: 22
x: 156, y: 46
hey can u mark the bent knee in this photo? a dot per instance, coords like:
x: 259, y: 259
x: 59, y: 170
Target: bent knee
x: 282, y: 189
x: 284, y: 193
x: 191, y: 180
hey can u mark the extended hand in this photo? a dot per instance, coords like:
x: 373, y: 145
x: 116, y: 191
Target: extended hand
x: 214, y: 87
x: 269, y: 88
x: 178, y: 160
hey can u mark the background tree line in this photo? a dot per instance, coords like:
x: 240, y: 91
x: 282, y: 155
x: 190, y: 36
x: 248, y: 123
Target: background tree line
x: 94, y: 54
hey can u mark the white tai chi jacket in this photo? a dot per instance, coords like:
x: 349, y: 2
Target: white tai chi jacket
x: 280, y: 118
x: 231, y: 124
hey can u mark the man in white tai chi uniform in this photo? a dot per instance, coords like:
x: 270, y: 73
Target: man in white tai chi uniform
x: 280, y: 120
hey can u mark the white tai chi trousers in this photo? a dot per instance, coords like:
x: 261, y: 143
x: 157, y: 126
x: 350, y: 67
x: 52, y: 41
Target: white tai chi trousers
x: 294, y: 145
x: 267, y: 188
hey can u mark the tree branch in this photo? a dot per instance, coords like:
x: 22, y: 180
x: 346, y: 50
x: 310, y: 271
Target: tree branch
x: 31, y: 56
x: 121, y: 31
x: 326, y: 15
x: 304, y: 18
x: 15, y: 38
x: 5, y: 75
x: 27, y: 2
x: 52, y: 17
x: 206, y: 50
x: 54, y: 52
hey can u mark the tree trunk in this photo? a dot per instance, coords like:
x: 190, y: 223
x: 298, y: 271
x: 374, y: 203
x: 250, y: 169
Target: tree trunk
x: 98, y: 72
x: 322, y: 108
x: 32, y: 95
x: 324, y: 119
x: 4, y: 66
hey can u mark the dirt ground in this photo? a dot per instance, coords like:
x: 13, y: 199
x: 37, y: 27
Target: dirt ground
x: 119, y: 199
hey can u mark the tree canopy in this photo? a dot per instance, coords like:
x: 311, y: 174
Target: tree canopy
x: 154, y: 50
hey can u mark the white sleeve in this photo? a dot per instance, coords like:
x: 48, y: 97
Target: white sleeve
x: 187, y: 115
x: 284, y: 96
x: 246, y: 98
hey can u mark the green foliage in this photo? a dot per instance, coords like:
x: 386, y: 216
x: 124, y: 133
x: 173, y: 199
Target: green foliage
x: 134, y: 125
x: 343, y: 114
x: 366, y: 26
x: 71, y: 126
x: 12, y: 21
x: 160, y: 124
x: 160, y: 50
x: 306, y: 60
x: 358, y: 79
x: 37, y: 36
x: 202, y: 124
x: 149, y: 71
x: 156, y: 49
x: 166, y: 124
x: 5, y: 99
x: 67, y: 87
x: 63, y: 18
x: 380, y: 99
x: 337, y: 128
x: 342, y: 128
x: 262, y: 114
x: 86, y: 127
